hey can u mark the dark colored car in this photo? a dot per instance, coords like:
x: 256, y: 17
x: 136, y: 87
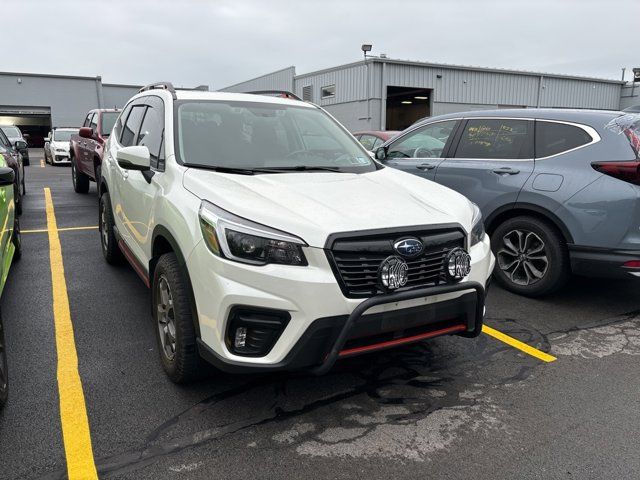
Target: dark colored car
x: 372, y: 139
x: 559, y: 189
x: 14, y: 160
x: 14, y: 135
x: 87, y: 147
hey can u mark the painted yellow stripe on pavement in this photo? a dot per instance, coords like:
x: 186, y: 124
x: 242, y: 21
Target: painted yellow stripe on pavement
x: 73, y: 411
x: 42, y: 163
x: 528, y: 349
x: 63, y: 229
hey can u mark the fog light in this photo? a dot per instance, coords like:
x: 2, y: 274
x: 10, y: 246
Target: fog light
x: 241, y: 337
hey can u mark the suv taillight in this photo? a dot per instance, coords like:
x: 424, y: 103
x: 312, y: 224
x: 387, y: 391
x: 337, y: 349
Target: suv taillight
x: 625, y: 171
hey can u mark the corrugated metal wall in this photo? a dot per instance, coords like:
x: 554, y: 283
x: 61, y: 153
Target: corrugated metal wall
x: 279, y: 80
x: 454, y: 89
x: 630, y: 96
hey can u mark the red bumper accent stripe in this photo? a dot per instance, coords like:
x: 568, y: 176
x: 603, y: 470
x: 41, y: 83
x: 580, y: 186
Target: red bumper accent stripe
x: 402, y: 341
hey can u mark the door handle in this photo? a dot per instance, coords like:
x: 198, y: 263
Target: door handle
x: 426, y: 166
x: 506, y: 171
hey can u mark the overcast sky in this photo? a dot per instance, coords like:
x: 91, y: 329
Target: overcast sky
x: 222, y: 42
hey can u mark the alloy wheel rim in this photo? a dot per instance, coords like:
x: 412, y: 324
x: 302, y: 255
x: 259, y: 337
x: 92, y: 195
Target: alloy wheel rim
x: 523, y: 257
x: 103, y: 228
x: 166, y: 318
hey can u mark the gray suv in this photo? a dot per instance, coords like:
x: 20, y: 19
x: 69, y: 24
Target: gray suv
x: 559, y: 189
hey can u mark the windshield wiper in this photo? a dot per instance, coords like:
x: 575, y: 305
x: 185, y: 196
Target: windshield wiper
x: 297, y: 168
x: 216, y: 168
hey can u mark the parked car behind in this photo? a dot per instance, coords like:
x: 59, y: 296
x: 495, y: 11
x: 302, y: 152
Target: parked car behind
x: 267, y: 233
x: 10, y: 250
x: 13, y: 159
x: 14, y: 134
x: 87, y: 147
x: 372, y: 139
x: 559, y: 189
x: 57, y: 145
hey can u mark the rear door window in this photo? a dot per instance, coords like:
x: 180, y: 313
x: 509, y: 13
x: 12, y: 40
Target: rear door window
x: 132, y: 125
x: 368, y: 141
x: 554, y: 138
x: 499, y: 139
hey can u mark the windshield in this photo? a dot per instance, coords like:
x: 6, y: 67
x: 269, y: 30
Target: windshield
x: 11, y: 132
x: 63, y: 135
x: 252, y: 135
x: 108, y: 121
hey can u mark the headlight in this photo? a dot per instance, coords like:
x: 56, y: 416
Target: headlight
x: 235, y: 238
x: 477, y: 226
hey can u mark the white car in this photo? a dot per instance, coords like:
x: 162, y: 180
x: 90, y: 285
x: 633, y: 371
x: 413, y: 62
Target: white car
x: 56, y: 146
x: 272, y: 241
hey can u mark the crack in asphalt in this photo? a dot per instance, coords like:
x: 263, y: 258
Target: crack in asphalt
x: 425, y: 367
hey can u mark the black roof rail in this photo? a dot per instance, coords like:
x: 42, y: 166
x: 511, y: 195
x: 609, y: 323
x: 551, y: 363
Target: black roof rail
x: 276, y: 93
x: 160, y: 86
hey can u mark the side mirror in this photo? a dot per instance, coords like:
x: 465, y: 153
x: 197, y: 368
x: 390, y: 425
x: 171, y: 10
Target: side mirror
x: 135, y: 157
x: 7, y: 176
x: 47, y: 139
x: 86, y: 132
x: 20, y: 144
x: 381, y: 153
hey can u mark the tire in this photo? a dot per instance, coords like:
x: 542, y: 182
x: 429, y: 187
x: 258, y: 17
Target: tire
x: 98, y: 173
x: 178, y: 352
x: 16, y: 239
x: 108, y: 239
x: 532, y: 258
x: 4, y: 376
x: 26, y: 162
x: 17, y: 198
x: 80, y: 180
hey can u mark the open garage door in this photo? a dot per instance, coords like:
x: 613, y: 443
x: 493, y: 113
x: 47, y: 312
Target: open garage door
x: 406, y: 105
x: 33, y: 121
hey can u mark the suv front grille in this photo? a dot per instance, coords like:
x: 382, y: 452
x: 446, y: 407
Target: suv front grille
x: 356, y: 259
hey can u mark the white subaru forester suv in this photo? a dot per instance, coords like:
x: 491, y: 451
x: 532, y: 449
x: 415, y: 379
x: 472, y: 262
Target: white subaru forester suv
x: 271, y: 240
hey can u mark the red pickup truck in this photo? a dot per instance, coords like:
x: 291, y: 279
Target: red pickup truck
x: 87, y: 147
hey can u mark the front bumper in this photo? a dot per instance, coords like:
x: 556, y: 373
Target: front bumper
x: 603, y: 262
x: 322, y: 319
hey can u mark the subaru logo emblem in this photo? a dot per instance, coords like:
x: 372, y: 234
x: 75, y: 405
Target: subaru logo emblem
x: 409, y: 247
x: 457, y: 264
x: 393, y: 273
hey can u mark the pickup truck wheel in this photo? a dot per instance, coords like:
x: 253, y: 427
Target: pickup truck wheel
x: 80, y: 180
x: 531, y: 256
x: 173, y: 318
x: 16, y: 239
x: 108, y: 240
x: 4, y: 377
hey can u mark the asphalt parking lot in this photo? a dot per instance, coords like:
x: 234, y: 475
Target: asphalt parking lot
x: 448, y: 408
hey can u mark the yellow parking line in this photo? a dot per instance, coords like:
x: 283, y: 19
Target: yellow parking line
x: 534, y: 352
x: 63, y: 229
x: 42, y: 162
x: 73, y: 411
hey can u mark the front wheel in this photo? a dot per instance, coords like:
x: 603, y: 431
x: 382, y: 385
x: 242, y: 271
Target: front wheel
x: 16, y: 239
x: 17, y: 199
x: 173, y: 319
x: 531, y: 256
x: 80, y: 180
x: 106, y: 225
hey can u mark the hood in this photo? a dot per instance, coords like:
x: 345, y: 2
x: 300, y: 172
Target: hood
x: 62, y: 145
x: 313, y: 205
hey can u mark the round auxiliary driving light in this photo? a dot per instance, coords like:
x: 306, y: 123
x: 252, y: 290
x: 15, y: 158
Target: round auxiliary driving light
x: 393, y: 273
x: 457, y: 264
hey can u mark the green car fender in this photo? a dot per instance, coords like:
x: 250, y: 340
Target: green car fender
x: 7, y: 220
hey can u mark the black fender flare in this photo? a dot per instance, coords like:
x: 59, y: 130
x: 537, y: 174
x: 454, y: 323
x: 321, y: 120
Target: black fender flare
x: 523, y: 208
x: 162, y: 231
